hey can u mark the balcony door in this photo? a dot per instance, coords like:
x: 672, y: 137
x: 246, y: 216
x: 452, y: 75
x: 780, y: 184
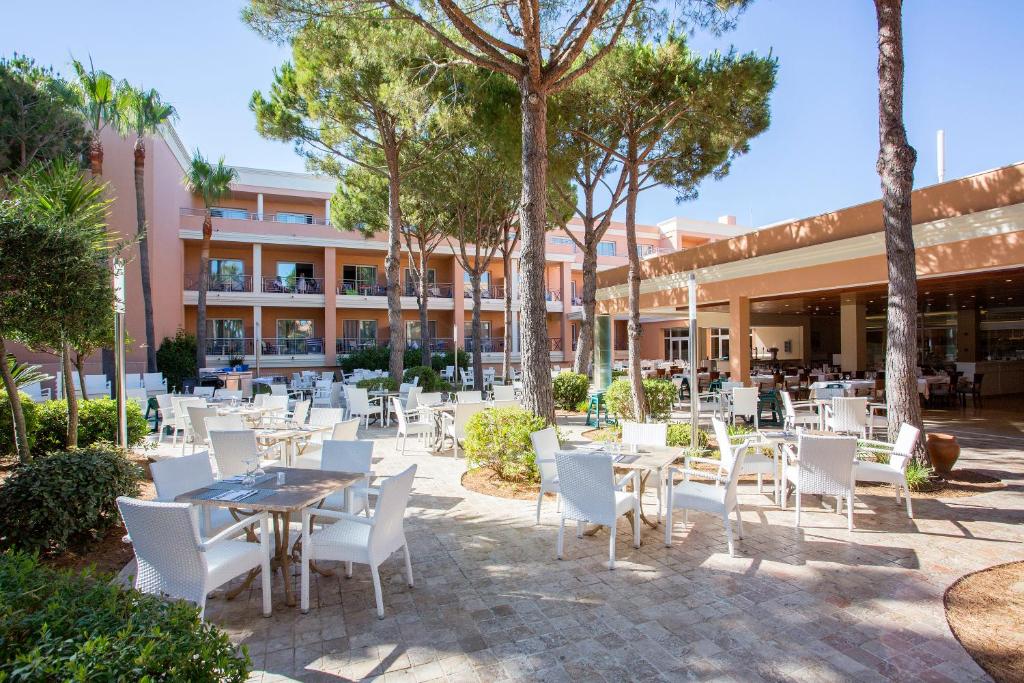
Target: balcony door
x: 358, y: 280
x: 412, y: 331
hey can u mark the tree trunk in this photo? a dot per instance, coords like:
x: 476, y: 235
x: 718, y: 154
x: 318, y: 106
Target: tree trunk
x: 535, y: 352
x: 17, y: 414
x: 585, y: 347
x: 147, y: 285
x: 424, y: 317
x: 477, y: 328
x: 506, y: 358
x: 71, y: 438
x: 204, y: 285
x: 96, y: 167
x: 392, y: 267
x: 80, y: 369
x: 633, y: 329
x: 896, y: 159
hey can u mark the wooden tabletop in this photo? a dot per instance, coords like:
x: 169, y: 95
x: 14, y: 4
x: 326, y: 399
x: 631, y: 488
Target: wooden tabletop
x: 644, y: 458
x: 302, y: 488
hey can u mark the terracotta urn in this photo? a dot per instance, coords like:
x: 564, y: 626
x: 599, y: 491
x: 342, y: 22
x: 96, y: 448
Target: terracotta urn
x: 943, y: 451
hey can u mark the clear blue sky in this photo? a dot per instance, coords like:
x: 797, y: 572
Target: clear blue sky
x: 963, y: 74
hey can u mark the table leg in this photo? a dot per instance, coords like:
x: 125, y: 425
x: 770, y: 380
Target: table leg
x: 640, y: 493
x: 283, y: 554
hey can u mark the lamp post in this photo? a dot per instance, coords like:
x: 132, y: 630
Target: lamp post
x: 119, y: 355
x: 691, y: 300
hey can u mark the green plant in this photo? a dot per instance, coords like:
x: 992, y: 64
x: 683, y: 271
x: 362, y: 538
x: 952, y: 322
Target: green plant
x: 583, y: 406
x: 62, y: 626
x: 176, y: 359
x: 918, y: 474
x: 376, y: 383
x: 235, y: 360
x: 97, y: 422
x: 679, y: 435
x: 499, y: 438
x: 370, y: 358
x: 31, y: 412
x: 65, y: 499
x: 439, y: 361
x: 429, y: 379
x: 570, y: 389
x: 660, y: 396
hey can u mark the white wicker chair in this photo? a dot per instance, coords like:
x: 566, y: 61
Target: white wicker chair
x: 591, y: 495
x: 545, y: 445
x: 322, y: 393
x: 847, y: 415
x: 154, y: 382
x: 173, y: 560
x: 469, y: 397
x: 196, y: 433
x: 349, y: 456
x: 824, y: 466
x: 467, y: 379
x: 648, y: 434
x: 753, y: 463
x: 431, y: 399
x: 503, y: 392
x: 895, y: 471
x: 175, y: 476
x: 37, y: 392
x: 228, y: 394
x: 181, y: 405
x: 454, y: 425
x: 165, y: 407
x: 744, y: 404
x: 361, y: 405
x: 412, y: 423
x: 717, y: 499
x: 345, y: 430
x: 205, y: 392
x: 224, y: 423
x: 799, y: 413
x: 358, y: 539
x: 232, y: 448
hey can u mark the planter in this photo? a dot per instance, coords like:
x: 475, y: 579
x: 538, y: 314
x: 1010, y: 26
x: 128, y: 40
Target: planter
x: 943, y: 450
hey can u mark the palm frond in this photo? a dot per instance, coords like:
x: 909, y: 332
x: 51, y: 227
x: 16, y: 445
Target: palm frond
x: 209, y: 181
x: 25, y: 374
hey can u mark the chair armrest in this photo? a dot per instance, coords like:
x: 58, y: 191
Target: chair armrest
x: 871, y: 444
x: 632, y: 474
x: 308, y: 513
x: 233, y: 530
x: 687, y: 472
x: 704, y: 461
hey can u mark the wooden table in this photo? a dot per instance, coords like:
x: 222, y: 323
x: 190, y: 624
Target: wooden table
x: 302, y: 489
x: 290, y: 436
x: 644, y: 459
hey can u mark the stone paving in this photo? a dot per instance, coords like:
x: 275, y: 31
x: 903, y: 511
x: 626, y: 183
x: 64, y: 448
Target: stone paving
x: 493, y: 603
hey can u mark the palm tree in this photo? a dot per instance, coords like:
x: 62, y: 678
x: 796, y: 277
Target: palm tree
x: 212, y: 183
x: 97, y: 100
x: 140, y: 113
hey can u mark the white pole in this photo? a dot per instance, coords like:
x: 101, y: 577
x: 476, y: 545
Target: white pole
x: 940, y: 153
x: 691, y: 299
x: 119, y: 355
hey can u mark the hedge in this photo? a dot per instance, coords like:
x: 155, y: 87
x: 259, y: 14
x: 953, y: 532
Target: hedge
x: 499, y: 438
x: 31, y: 412
x: 97, y: 422
x: 660, y: 396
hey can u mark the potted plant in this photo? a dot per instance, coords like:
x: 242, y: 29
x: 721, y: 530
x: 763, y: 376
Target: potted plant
x: 235, y: 362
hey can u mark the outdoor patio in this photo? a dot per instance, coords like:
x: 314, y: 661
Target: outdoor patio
x: 492, y: 602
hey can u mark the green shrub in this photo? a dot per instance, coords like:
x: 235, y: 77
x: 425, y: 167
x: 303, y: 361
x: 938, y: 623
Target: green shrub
x: 386, y: 382
x: 370, y: 358
x: 97, y: 422
x: 679, y: 435
x: 499, y: 438
x: 583, y: 406
x: 570, y: 389
x: 65, y: 499
x: 176, y: 358
x: 31, y: 412
x: 660, y: 396
x: 439, y: 361
x: 63, y: 626
x: 917, y: 474
x: 429, y: 379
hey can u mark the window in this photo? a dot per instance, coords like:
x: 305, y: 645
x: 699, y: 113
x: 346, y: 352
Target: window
x: 226, y: 267
x: 606, y: 248
x: 720, y: 343
x: 359, y: 279
x: 364, y: 331
x: 644, y: 250
x: 290, y: 272
x: 294, y: 329
x: 225, y: 328
x: 226, y: 212
x: 410, y: 281
x: 677, y: 343
x: 485, y: 282
x: 485, y: 326
x: 289, y: 217
x: 412, y: 330
x: 563, y: 242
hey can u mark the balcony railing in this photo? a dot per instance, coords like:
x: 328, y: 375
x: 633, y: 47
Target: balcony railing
x: 362, y: 288
x: 293, y: 285
x: 487, y: 344
x: 283, y: 346
x: 577, y: 301
x: 553, y: 295
x: 353, y: 344
x: 556, y: 343
x: 437, y: 290
x: 220, y: 283
x: 269, y: 217
x: 437, y: 345
x: 229, y: 346
x: 492, y: 292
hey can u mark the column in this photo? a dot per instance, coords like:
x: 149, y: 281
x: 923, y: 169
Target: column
x: 327, y: 211
x: 257, y: 268
x: 966, y: 335
x: 459, y: 302
x: 515, y: 332
x: 602, y: 352
x: 739, y: 339
x: 567, y: 352
x: 330, y: 306
x: 853, y: 348
x: 257, y: 330
x: 259, y: 206
x: 513, y: 279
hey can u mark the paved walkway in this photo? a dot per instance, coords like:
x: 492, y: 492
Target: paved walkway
x: 493, y: 603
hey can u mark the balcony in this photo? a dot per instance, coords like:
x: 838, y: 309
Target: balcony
x: 495, y: 292
x: 556, y: 344
x: 285, y: 346
x: 434, y: 291
x: 229, y: 346
x: 293, y: 285
x: 268, y: 217
x: 220, y: 283
x: 487, y: 345
x: 437, y: 344
x: 362, y: 288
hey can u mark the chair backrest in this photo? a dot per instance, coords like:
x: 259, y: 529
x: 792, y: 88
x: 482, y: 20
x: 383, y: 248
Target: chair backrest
x: 345, y: 430
x: 744, y: 400
x: 545, y: 445
x: 245, y: 384
x: 175, y: 476
x: 259, y: 400
x: 388, y: 514
x: 133, y: 381
x: 830, y: 391
x: 826, y: 463
x: 96, y: 384
x: 224, y: 423
x: 327, y: 376
x: 231, y: 449
x: 181, y: 406
x: 645, y: 434
x: 464, y: 411
x: 721, y: 437
x: 903, y: 449
x: 489, y: 375
x: 166, y: 406
x: 433, y: 398
x: 154, y: 381
x: 448, y: 374
x: 849, y: 414
x: 787, y: 404
x: 206, y: 392
x: 396, y: 407
x: 228, y: 393
x: 416, y: 381
x: 197, y: 421
x: 165, y: 538
x: 729, y: 385
x: 34, y: 391
x: 506, y: 404
x: 358, y: 401
x: 732, y: 463
x: 325, y: 416
x: 347, y: 456
x: 469, y: 397
x: 412, y: 401
x: 278, y: 389
x: 587, y: 485
x: 504, y: 392
x: 301, y: 412
x: 404, y: 387
x: 276, y: 403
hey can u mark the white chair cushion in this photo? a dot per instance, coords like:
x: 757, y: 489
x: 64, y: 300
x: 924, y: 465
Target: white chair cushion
x: 224, y: 558
x: 876, y: 471
x: 697, y: 496
x: 623, y: 502
x: 342, y: 540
